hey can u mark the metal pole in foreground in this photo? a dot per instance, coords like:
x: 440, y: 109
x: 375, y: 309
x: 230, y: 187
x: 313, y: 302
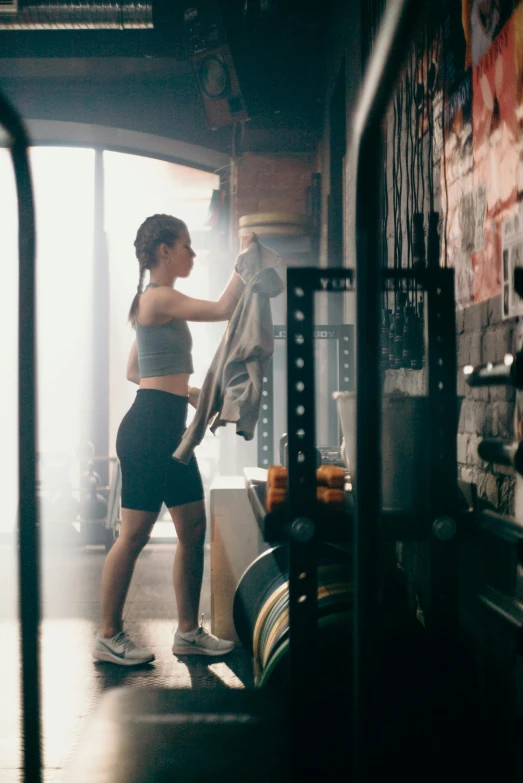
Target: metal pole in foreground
x: 397, y: 29
x: 29, y: 564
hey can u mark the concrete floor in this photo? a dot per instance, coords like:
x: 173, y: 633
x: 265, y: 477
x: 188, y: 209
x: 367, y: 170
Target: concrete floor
x: 72, y: 683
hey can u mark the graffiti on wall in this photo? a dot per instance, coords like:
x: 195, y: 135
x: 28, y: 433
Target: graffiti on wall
x: 495, y: 150
x: 457, y: 187
x: 482, y: 146
x: 482, y: 21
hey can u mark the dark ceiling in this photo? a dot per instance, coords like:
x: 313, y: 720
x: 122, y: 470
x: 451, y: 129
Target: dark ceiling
x: 143, y: 80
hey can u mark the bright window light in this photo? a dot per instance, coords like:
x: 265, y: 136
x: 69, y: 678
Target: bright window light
x: 135, y: 187
x: 9, y: 331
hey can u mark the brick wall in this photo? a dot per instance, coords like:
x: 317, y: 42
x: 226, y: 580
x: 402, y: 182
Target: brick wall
x: 486, y: 411
x: 272, y: 183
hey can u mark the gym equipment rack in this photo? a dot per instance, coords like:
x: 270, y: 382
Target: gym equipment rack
x: 344, y: 334
x: 303, y: 524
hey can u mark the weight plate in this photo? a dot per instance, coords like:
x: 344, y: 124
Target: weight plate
x: 331, y: 626
x: 266, y: 574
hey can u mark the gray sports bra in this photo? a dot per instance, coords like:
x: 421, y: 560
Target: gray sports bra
x: 165, y: 349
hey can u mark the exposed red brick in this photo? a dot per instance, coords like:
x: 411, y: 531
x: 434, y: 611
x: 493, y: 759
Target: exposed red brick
x: 272, y: 183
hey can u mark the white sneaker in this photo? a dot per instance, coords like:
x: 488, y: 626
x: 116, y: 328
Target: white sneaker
x: 200, y: 642
x: 121, y: 650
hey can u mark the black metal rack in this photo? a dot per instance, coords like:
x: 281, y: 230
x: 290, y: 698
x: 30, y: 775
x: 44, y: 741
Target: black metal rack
x: 344, y: 334
x: 304, y: 525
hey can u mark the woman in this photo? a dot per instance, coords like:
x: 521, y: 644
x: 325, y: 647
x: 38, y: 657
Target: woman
x: 160, y: 363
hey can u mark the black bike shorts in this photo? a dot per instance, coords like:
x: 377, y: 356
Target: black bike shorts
x: 147, y: 437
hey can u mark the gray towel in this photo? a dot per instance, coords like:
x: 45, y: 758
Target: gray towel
x: 232, y: 388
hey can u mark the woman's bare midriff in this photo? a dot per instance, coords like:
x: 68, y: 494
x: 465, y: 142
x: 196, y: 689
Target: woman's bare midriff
x: 174, y: 384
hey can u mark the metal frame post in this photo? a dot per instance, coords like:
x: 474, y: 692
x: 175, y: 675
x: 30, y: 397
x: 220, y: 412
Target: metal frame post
x: 265, y: 429
x: 303, y: 521
x: 303, y: 566
x: 398, y: 26
x: 28, y: 532
x: 344, y: 334
x: 442, y: 362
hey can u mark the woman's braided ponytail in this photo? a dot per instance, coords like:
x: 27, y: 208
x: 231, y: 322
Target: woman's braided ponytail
x: 154, y: 231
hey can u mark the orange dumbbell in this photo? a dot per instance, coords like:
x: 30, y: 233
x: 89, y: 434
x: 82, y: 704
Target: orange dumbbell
x: 277, y: 476
x: 275, y: 498
x: 331, y: 476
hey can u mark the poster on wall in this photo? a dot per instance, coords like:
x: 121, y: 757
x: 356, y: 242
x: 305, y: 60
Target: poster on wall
x: 457, y: 187
x: 483, y: 117
x: 518, y: 60
x: 457, y: 159
x: 482, y: 21
x: 496, y: 154
x: 480, y: 210
x: 511, y: 258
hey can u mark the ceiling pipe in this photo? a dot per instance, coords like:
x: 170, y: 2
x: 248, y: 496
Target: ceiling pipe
x: 78, y: 16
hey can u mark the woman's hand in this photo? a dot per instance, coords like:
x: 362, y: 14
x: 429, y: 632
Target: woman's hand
x: 194, y: 394
x: 247, y: 240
